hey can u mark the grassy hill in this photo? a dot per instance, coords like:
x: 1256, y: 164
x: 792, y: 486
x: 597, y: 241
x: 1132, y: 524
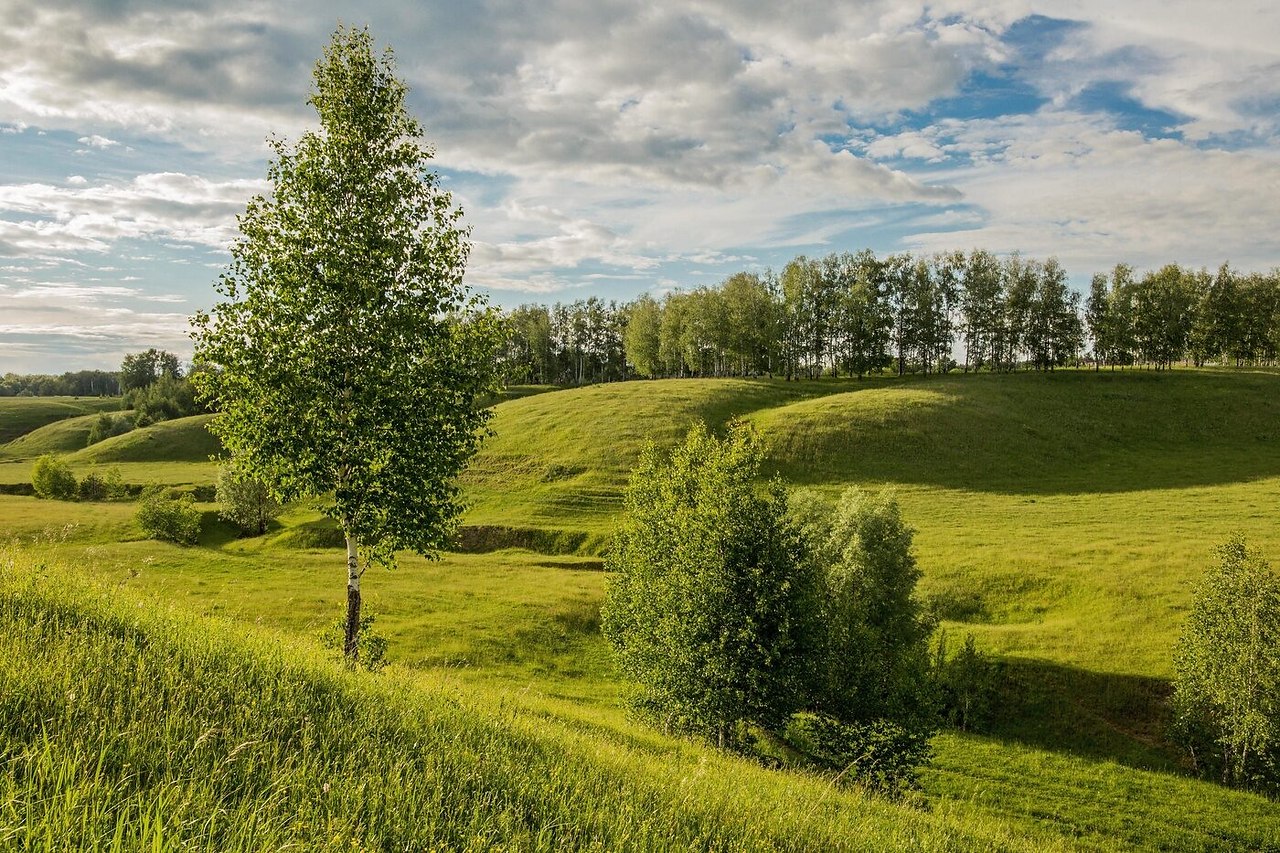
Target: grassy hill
x: 131, y: 725
x: 21, y: 415
x: 562, y: 459
x: 1062, y: 519
x: 180, y: 440
x: 64, y: 436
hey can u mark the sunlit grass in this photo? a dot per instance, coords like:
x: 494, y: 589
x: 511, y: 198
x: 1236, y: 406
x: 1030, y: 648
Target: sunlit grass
x: 1060, y: 519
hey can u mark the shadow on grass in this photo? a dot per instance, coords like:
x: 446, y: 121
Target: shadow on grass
x: 1096, y: 715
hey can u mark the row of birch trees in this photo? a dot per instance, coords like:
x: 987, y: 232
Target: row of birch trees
x: 855, y: 314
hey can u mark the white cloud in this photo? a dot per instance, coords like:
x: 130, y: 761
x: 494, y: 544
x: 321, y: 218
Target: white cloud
x: 91, y: 217
x: 1071, y: 185
x: 96, y: 141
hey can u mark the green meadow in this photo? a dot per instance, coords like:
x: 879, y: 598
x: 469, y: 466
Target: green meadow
x: 161, y: 697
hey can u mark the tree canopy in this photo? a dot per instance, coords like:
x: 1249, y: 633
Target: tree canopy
x: 710, y: 610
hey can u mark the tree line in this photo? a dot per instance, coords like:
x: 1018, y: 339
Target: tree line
x: 855, y: 314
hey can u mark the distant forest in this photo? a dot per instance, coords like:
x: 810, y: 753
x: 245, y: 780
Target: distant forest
x: 856, y: 314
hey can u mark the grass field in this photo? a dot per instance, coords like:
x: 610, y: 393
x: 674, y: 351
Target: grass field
x: 1062, y: 519
x: 21, y: 415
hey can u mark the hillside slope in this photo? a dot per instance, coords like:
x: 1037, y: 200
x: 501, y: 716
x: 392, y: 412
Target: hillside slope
x: 21, y: 415
x: 562, y: 459
x: 134, y: 728
x: 179, y: 440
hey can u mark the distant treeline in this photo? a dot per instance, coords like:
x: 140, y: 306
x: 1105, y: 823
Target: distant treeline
x: 855, y: 314
x: 81, y: 383
x: 153, y: 386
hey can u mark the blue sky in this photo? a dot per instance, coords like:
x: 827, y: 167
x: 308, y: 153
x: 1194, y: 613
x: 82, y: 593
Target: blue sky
x: 614, y: 147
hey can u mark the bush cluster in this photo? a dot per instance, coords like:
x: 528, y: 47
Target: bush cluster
x: 738, y: 612
x: 168, y: 519
x: 52, y: 478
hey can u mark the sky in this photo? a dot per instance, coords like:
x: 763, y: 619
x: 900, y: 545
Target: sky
x: 615, y: 147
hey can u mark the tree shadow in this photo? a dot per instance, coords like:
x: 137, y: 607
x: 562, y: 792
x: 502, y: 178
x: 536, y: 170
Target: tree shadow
x: 1050, y: 706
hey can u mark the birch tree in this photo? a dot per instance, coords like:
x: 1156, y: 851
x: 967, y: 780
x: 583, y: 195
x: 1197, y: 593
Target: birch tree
x: 347, y: 356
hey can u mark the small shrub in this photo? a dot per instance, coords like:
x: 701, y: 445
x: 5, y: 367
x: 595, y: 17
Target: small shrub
x: 966, y: 685
x: 105, y: 426
x: 371, y: 651
x: 114, y: 486
x: 168, y: 519
x: 246, y: 501
x: 882, y: 755
x: 52, y: 478
x: 93, y: 487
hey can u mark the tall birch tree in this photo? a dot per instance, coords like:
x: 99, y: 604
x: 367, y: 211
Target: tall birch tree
x: 347, y: 357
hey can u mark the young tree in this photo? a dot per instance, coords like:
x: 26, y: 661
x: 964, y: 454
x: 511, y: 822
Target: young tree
x: 52, y: 478
x: 246, y: 501
x: 1227, y: 690
x: 873, y: 697
x: 347, y: 357
x: 168, y: 519
x: 710, y: 608
x: 878, y: 631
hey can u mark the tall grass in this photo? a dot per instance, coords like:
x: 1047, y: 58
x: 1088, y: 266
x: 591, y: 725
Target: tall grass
x: 127, y: 727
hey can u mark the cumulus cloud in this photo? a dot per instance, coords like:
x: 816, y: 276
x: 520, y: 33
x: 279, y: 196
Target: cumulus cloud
x: 1074, y: 186
x: 43, y: 218
x: 595, y: 142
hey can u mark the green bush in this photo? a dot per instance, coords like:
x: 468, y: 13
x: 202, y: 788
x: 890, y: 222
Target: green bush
x: 114, y: 485
x: 105, y: 426
x: 709, y: 610
x: 967, y: 684
x: 246, y: 501
x: 1226, y: 696
x: 52, y: 478
x: 878, y: 754
x: 168, y: 519
x: 93, y: 487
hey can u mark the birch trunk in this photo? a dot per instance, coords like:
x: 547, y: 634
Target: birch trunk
x: 350, y: 647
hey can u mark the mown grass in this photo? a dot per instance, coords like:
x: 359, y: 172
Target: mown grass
x: 21, y: 415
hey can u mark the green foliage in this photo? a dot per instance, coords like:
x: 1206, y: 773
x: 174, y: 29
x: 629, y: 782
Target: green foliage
x: 51, y: 477
x: 879, y: 754
x: 168, y: 519
x: 113, y: 485
x: 105, y: 426
x: 347, y: 358
x: 877, y: 632
x: 246, y: 501
x: 710, y: 611
x: 967, y: 683
x: 372, y: 655
x: 1227, y: 690
x: 92, y: 487
x: 165, y: 399
x: 142, y: 369
x: 873, y: 685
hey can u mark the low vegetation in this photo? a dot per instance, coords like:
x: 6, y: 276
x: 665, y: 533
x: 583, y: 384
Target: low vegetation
x: 1227, y: 691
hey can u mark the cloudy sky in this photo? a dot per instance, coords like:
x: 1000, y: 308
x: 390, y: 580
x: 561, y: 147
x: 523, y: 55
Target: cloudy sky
x: 611, y: 147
